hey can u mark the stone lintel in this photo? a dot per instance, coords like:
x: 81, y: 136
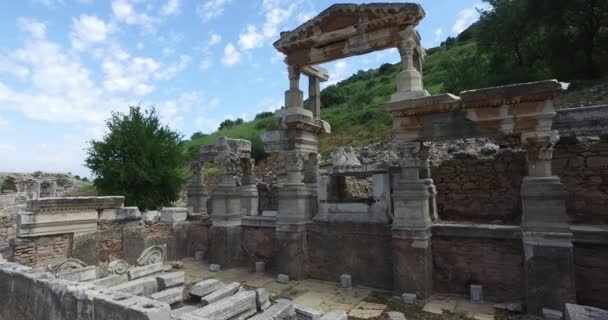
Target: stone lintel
x: 316, y: 71
x: 514, y: 93
x: 238, y: 148
x: 584, y: 121
x: 75, y: 203
x: 422, y: 105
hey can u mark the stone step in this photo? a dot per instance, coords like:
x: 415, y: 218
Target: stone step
x: 237, y: 307
x: 138, y: 287
x: 170, y: 296
x: 172, y: 279
x: 205, y: 287
x: 111, y: 281
x: 279, y: 311
x: 220, y: 294
x: 143, y: 271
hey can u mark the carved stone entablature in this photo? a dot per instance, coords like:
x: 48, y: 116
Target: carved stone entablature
x: 344, y: 30
x: 539, y: 145
x: 227, y: 154
x: 153, y: 254
x: 422, y: 105
x: 512, y: 94
x: 67, y: 265
x: 75, y: 203
x: 299, y: 118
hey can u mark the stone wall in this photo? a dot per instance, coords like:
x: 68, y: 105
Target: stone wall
x: 591, y: 268
x: 259, y: 245
x: 465, y: 257
x: 583, y: 168
x: 480, y: 189
x: 39, y: 252
x: 361, y: 250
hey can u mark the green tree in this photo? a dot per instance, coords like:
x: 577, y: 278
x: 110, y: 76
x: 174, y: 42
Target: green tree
x: 138, y: 158
x: 197, y: 135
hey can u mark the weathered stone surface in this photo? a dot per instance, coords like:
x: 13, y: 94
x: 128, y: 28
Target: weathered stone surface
x: 138, y: 287
x: 346, y: 281
x: 121, y: 214
x: 260, y: 266
x: 476, y: 293
x: 341, y: 315
x: 205, y: 287
x: 549, y: 314
x: 84, y: 247
x: 175, y: 313
x: 134, y: 236
x: 306, y: 313
x: 242, y: 303
x: 118, y: 266
x: 578, y: 312
x: 139, y: 272
x: 151, y: 217
x: 408, y: 298
x: 282, y: 278
x: 168, y: 280
x: 262, y: 299
x: 173, y: 214
x: 148, y: 309
x: 221, y: 293
x: 281, y: 310
x: 170, y: 296
x: 81, y: 274
x: 152, y: 255
x: 111, y: 280
x: 393, y: 315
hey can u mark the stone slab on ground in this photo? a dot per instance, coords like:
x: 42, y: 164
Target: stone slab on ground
x: 143, y: 271
x: 282, y: 278
x: 138, y: 287
x: 306, y: 313
x: 236, y: 306
x: 221, y: 293
x: 279, y: 311
x: 81, y: 274
x: 341, y: 315
x: 214, y: 267
x: 111, y: 280
x: 578, y: 312
x: 175, y: 313
x: 172, y: 279
x: 205, y: 287
x: 393, y: 315
x: 262, y: 299
x: 170, y: 296
x: 366, y: 310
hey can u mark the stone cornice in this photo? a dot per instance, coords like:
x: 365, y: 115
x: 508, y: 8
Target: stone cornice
x: 75, y: 203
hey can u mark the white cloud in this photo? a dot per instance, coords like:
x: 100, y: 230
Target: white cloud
x: 87, y: 30
x: 251, y: 38
x: 215, y: 39
x: 438, y: 34
x: 231, y: 55
x: 35, y: 28
x: 338, y: 72
x: 466, y: 17
x: 140, y: 46
x: 50, y: 3
x: 125, y: 12
x: 170, y: 8
x: 211, y: 9
x: 206, y: 63
x: 171, y: 71
x: 305, y: 16
x: 167, y: 52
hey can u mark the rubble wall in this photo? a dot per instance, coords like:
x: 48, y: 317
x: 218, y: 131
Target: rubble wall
x: 39, y: 252
x: 583, y: 169
x: 362, y: 250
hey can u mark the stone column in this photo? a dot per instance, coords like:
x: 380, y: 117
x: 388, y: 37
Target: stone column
x: 197, y: 193
x: 294, y: 97
x: 547, y: 239
x: 412, y: 258
x: 294, y: 213
x: 249, y: 188
x: 314, y: 96
x: 409, y: 80
x: 226, y: 214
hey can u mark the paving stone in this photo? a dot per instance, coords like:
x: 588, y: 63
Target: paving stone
x: 366, y: 310
x: 311, y: 299
x: 143, y: 271
x: 341, y: 315
x: 172, y: 279
x: 205, y: 287
x: 170, y: 296
x: 394, y: 315
x: 279, y: 311
x: 221, y: 293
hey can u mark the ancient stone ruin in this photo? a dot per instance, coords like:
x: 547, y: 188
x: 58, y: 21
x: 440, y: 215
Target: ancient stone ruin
x: 521, y: 223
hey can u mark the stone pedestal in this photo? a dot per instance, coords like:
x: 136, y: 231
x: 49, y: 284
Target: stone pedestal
x: 250, y: 200
x: 294, y: 213
x: 225, y: 234
x: 547, y: 240
x: 412, y: 257
x: 197, y: 201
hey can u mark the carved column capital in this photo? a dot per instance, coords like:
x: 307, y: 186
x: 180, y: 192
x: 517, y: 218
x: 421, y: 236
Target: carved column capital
x: 229, y: 166
x: 294, y: 164
x: 293, y: 72
x: 539, y: 145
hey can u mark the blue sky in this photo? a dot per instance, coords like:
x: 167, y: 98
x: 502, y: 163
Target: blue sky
x: 66, y: 64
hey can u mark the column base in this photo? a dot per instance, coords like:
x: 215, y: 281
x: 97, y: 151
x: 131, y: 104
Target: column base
x: 413, y: 262
x: 225, y: 246
x: 549, y: 271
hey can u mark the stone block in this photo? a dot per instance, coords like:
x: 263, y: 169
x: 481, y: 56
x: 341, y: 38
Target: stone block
x: 144, y: 271
x: 221, y: 293
x: 341, y: 315
x: 112, y: 305
x: 549, y: 314
x: 214, y: 267
x: 81, y: 274
x: 260, y: 267
x: 34, y: 224
x: 235, y: 307
x: 170, y: 296
x: 476, y: 293
x: 408, y: 298
x: 174, y: 214
x: 138, y: 287
x: 282, y: 310
x: 282, y: 278
x: 168, y: 280
x: 134, y: 236
x: 578, y: 312
x: 84, y: 247
x: 306, y: 313
x: 176, y: 313
x: 269, y: 213
x: 120, y: 214
x: 151, y: 217
x: 111, y: 280
x: 345, y: 281
x: 205, y: 287
x: 199, y: 255
x: 392, y: 315
x: 262, y: 299
x: 148, y: 309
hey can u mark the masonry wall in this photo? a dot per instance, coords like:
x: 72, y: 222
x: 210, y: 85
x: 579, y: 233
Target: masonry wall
x: 41, y: 251
x: 591, y: 268
x: 258, y: 245
x: 362, y: 250
x: 482, y: 189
